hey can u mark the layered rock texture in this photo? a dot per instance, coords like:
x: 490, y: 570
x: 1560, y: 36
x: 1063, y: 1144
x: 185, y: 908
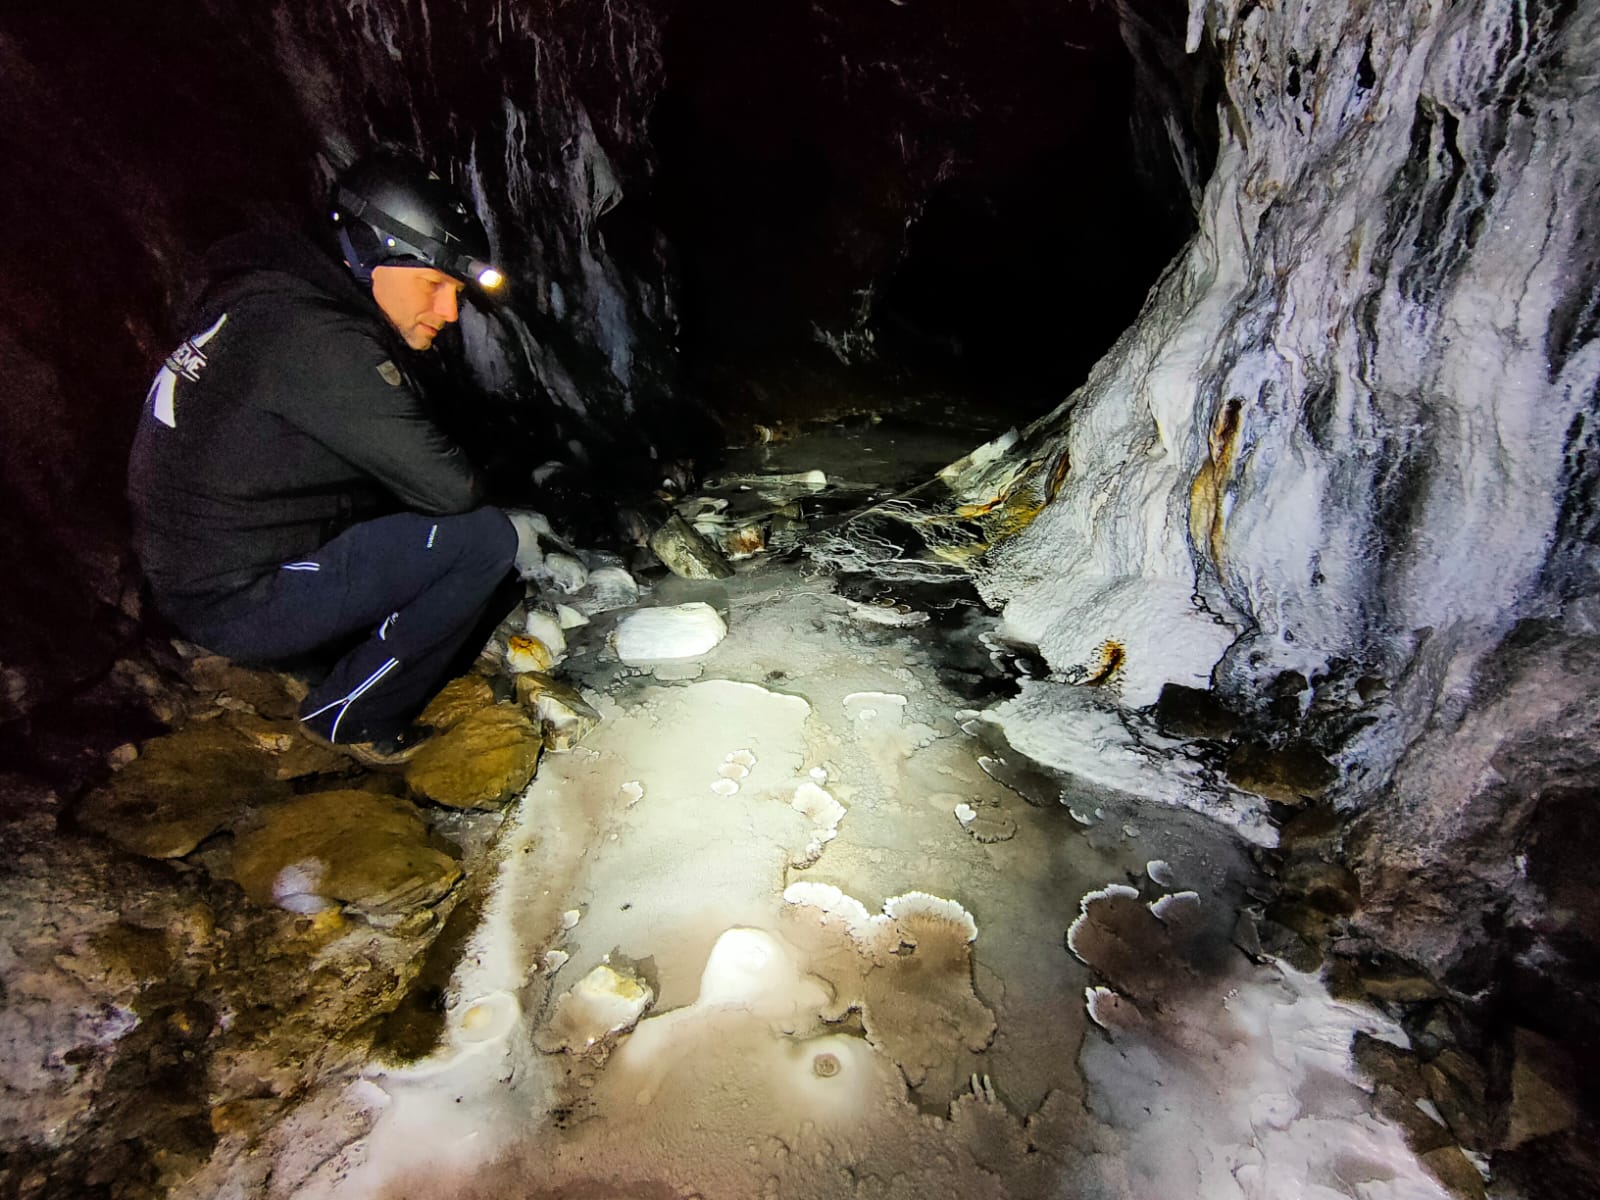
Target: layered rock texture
x: 1358, y: 407
x: 1347, y: 456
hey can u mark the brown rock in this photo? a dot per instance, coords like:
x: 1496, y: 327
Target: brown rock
x: 293, y: 755
x: 1453, y: 1169
x: 182, y: 789
x: 481, y: 763
x: 529, y: 654
x: 685, y: 552
x: 1315, y: 823
x: 1246, y: 936
x: 1388, y: 1065
x: 117, y: 960
x: 1279, y: 941
x: 133, y: 952
x: 370, y: 853
x: 458, y: 699
x: 137, y: 677
x: 1309, y: 922
x: 1371, y: 687
x: 1544, y: 1096
x: 742, y: 541
x: 1397, y: 1085
x: 1291, y: 775
x: 243, y: 1117
x: 269, y: 693
x: 122, y: 755
x: 565, y: 717
x: 1459, y: 1089
x: 1401, y: 989
x: 1193, y: 712
x: 1327, y: 887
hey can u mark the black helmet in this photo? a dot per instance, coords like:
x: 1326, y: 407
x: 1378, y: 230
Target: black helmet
x: 388, y: 208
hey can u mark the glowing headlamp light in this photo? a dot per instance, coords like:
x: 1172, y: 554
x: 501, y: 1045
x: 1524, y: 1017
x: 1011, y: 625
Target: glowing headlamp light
x: 486, y: 276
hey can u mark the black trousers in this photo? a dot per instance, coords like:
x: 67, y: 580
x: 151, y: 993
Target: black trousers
x: 416, y: 586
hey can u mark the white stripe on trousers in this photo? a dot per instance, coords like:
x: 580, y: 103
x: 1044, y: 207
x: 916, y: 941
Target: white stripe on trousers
x: 355, y: 694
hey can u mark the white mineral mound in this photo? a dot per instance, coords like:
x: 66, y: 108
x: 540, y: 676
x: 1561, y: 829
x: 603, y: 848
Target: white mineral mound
x: 657, y: 634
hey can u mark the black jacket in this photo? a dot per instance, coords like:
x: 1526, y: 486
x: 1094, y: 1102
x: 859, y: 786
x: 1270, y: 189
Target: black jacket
x: 284, y: 417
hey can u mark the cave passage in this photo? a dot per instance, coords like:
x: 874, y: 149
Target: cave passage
x: 954, y: 199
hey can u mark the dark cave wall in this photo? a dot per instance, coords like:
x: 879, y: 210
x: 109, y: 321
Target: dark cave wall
x: 945, y: 185
x: 539, y: 112
x: 120, y: 168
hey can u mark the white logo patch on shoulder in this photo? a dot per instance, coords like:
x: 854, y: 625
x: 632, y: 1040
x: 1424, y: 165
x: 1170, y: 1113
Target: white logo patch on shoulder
x: 390, y: 372
x: 187, y: 361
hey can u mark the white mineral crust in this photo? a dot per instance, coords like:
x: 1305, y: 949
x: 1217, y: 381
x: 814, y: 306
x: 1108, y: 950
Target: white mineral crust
x: 659, y: 634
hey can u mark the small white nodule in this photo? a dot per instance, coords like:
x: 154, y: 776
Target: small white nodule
x: 487, y: 1019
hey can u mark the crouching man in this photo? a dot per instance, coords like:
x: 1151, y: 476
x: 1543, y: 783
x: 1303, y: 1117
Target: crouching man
x: 290, y: 492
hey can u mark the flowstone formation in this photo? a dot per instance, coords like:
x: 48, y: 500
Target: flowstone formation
x: 1354, y: 408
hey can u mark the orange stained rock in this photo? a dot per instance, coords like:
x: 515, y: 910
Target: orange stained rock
x: 1206, y: 520
x: 1058, y: 476
x: 1112, y: 655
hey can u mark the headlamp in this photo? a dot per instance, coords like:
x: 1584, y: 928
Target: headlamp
x: 487, y: 277
x: 393, y: 239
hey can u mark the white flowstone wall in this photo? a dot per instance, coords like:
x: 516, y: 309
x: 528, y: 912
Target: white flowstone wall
x: 1358, y: 412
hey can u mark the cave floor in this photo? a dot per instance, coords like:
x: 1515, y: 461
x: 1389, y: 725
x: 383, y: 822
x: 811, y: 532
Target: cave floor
x: 877, y: 953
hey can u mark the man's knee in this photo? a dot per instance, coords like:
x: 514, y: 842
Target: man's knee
x: 493, y: 537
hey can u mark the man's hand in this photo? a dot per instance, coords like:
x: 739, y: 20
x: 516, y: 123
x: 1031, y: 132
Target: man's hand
x: 531, y: 528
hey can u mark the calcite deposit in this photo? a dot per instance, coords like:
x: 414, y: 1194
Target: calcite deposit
x: 1349, y: 420
x: 679, y: 631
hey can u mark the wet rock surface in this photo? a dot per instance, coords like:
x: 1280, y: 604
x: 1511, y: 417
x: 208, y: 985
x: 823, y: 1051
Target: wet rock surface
x: 564, y: 716
x: 481, y: 761
x: 158, y: 1024
x: 661, y: 848
x: 368, y: 853
x: 181, y: 789
x: 686, y: 553
x: 1192, y: 712
x: 456, y: 701
x: 1290, y: 775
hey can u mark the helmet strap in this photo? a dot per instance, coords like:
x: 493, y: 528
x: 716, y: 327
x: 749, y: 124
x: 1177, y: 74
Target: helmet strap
x: 354, y: 259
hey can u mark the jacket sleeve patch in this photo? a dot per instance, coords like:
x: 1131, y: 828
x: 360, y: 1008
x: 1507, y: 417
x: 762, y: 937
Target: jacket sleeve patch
x: 390, y: 372
x: 188, y: 360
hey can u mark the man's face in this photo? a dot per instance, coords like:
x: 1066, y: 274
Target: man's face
x: 419, y: 301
